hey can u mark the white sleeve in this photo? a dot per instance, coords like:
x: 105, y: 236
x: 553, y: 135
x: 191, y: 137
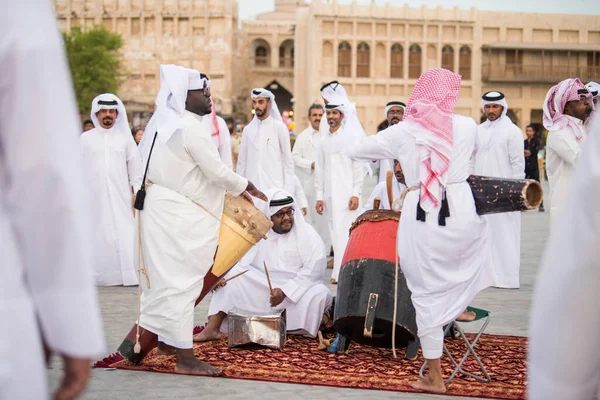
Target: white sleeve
x: 358, y: 173
x: 300, y: 195
x: 286, y: 158
x: 377, y: 147
x: 47, y: 199
x: 135, y: 169
x: 225, y: 143
x: 320, y: 173
x: 566, y: 147
x: 202, y: 149
x: 563, y: 351
x: 298, y: 152
x: 516, y: 147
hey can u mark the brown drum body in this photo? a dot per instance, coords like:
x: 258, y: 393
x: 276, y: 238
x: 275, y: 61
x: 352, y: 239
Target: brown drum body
x: 364, y: 306
x: 242, y: 226
x: 498, y: 195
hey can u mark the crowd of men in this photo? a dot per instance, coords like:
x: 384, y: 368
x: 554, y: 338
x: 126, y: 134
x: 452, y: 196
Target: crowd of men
x: 82, y: 221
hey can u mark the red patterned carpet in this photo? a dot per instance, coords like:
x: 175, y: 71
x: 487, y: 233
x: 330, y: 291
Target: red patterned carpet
x: 363, y: 367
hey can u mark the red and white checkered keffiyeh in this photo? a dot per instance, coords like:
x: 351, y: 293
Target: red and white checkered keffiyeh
x: 429, y: 110
x: 554, y: 105
x: 215, y: 122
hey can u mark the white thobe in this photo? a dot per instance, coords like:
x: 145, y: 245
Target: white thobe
x: 46, y: 235
x: 562, y: 153
x: 337, y: 179
x: 564, y: 361
x: 499, y: 153
x: 296, y: 266
x: 179, y: 238
x: 381, y: 192
x: 298, y: 195
x: 304, y: 154
x: 265, y: 157
x: 222, y: 140
x: 115, y: 166
x: 445, y: 266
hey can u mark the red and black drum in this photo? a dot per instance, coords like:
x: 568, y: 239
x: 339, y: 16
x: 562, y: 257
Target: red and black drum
x: 364, y: 306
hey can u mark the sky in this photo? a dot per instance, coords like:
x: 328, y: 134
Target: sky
x: 250, y: 8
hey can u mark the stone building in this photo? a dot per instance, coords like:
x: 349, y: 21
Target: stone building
x: 376, y: 51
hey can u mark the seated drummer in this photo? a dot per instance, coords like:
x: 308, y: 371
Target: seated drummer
x: 398, y: 186
x: 295, y: 257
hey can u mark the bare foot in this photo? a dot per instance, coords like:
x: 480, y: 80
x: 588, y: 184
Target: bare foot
x: 164, y: 349
x: 467, y: 316
x: 207, y: 335
x: 330, y: 264
x: 430, y: 384
x: 333, y: 281
x: 188, y: 364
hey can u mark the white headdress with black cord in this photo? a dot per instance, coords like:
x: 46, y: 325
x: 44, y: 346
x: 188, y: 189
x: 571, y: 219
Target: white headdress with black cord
x: 109, y: 101
x: 391, y: 104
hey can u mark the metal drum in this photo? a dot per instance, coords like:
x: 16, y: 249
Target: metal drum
x: 364, y: 307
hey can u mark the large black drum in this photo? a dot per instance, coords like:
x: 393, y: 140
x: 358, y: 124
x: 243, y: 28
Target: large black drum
x: 364, y: 308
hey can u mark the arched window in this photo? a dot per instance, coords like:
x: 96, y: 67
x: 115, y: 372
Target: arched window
x: 363, y: 58
x: 260, y: 56
x: 344, y: 59
x: 260, y: 52
x: 286, y: 54
x: 464, y: 62
x: 414, y: 61
x: 397, y: 61
x: 448, y: 57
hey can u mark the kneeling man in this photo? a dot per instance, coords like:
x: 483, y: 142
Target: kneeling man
x: 295, y: 257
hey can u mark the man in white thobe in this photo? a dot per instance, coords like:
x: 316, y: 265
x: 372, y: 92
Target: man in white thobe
x: 295, y: 258
x: 116, y: 172
x: 566, y: 107
x: 499, y: 153
x: 394, y: 113
x: 265, y: 154
x: 564, y: 362
x: 300, y: 196
x: 47, y: 293
x: 179, y: 220
x: 338, y: 179
x: 442, y: 243
x: 220, y: 135
x: 380, y: 192
x: 304, y: 154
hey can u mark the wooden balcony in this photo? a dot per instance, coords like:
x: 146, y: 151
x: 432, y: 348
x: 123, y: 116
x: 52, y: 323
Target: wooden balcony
x: 537, y: 73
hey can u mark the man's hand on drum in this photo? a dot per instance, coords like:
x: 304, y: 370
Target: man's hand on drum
x: 255, y: 192
x: 353, y: 203
x: 319, y: 207
x: 277, y: 297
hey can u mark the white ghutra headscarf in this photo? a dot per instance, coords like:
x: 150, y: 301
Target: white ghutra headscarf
x: 109, y: 101
x: 273, y: 109
x: 175, y: 82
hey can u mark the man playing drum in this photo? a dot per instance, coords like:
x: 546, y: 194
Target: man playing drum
x: 180, y: 218
x: 295, y: 256
x: 443, y: 244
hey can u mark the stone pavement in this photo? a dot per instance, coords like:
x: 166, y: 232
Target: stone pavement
x: 509, y: 308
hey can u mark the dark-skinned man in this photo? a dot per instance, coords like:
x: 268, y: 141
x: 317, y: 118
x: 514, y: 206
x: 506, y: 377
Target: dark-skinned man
x: 394, y: 113
x: 499, y: 150
x: 339, y: 179
x: 265, y: 153
x: 115, y: 168
x: 380, y: 191
x: 566, y: 108
x: 295, y: 256
x: 178, y: 233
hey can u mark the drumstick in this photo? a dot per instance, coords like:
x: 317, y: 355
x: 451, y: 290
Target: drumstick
x: 390, y: 192
x: 233, y: 277
x: 268, y: 279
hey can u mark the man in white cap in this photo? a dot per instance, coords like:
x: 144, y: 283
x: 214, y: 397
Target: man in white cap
x: 566, y: 108
x: 47, y: 295
x: 304, y: 154
x: 116, y: 172
x: 339, y: 179
x: 180, y: 217
x: 295, y: 258
x: 394, y: 113
x: 442, y: 243
x: 499, y: 150
x: 265, y: 154
x: 219, y: 134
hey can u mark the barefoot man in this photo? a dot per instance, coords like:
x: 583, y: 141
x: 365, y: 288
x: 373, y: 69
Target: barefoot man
x: 443, y: 244
x: 179, y: 228
x: 295, y: 255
